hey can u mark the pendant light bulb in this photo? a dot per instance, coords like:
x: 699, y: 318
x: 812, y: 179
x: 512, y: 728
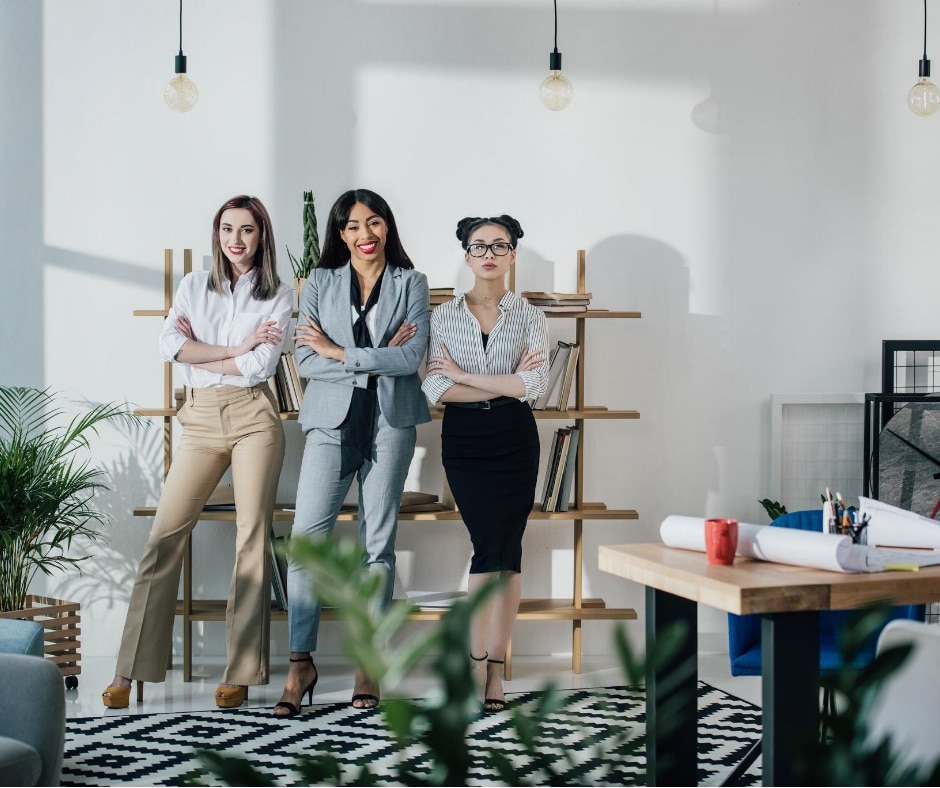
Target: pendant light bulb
x: 181, y: 93
x: 556, y: 91
x: 924, y: 98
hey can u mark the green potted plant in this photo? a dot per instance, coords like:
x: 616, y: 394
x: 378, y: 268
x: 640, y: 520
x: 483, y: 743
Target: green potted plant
x: 47, y: 489
x: 311, y: 255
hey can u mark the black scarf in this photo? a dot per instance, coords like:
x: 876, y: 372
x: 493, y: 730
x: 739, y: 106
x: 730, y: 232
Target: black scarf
x: 356, y: 431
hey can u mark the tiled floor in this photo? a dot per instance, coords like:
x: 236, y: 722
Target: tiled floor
x: 336, y: 680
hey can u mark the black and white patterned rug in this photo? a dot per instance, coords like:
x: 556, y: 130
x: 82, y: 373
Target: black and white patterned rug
x: 157, y: 749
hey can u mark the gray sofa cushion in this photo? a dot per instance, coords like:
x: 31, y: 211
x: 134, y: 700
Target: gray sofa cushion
x: 20, y: 764
x: 32, y: 712
x: 19, y: 636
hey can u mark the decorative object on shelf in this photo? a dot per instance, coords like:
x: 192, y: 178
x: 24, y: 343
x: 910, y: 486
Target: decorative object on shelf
x: 311, y: 255
x: 556, y: 91
x: 924, y: 97
x: 46, y: 486
x: 181, y: 93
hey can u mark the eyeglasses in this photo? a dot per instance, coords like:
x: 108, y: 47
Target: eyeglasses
x: 499, y: 249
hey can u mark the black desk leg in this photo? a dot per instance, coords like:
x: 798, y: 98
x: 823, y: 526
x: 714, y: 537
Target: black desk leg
x: 790, y: 689
x: 671, y: 694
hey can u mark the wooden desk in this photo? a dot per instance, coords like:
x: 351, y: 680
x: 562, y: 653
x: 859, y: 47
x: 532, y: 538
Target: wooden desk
x: 789, y: 599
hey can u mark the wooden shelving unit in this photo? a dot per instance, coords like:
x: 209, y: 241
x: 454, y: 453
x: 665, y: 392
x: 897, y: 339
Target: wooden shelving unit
x: 576, y: 609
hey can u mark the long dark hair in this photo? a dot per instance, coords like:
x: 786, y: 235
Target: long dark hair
x: 267, y: 282
x: 335, y: 252
x: 467, y: 225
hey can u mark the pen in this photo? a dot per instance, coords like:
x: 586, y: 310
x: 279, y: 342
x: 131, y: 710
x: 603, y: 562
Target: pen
x: 901, y: 568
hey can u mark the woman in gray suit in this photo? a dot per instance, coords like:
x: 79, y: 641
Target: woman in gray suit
x: 361, y: 334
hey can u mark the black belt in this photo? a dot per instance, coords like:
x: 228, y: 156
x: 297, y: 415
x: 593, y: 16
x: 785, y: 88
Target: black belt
x: 486, y: 404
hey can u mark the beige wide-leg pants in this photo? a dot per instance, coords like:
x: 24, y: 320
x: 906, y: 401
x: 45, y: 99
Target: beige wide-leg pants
x: 222, y: 426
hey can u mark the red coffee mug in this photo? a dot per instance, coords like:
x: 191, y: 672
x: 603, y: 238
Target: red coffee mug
x: 721, y: 540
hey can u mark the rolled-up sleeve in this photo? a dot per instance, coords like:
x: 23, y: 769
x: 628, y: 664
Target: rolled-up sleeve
x: 260, y: 363
x: 171, y: 340
x: 434, y: 385
x: 536, y: 380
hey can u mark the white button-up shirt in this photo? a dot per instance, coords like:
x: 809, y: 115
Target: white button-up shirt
x: 226, y: 319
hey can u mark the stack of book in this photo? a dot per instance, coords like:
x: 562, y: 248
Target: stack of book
x: 559, y: 469
x: 557, y: 302
x: 287, y: 385
x: 440, y: 295
x: 562, y: 365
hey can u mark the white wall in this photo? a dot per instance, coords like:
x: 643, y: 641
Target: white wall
x: 744, y: 172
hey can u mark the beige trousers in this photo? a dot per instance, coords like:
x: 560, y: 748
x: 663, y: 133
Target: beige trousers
x: 223, y: 426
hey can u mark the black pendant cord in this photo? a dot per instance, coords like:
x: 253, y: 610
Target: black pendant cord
x: 181, y: 28
x: 555, y: 2
x: 925, y: 29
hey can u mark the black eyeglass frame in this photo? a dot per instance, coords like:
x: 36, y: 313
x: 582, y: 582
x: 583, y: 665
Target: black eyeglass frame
x: 490, y: 248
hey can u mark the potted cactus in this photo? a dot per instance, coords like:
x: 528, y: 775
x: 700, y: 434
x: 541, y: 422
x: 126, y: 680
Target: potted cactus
x: 311, y: 255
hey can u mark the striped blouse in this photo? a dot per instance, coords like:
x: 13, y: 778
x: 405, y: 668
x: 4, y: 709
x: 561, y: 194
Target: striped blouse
x: 518, y: 327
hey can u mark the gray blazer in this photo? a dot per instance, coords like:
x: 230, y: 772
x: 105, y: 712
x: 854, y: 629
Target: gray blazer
x: 330, y: 384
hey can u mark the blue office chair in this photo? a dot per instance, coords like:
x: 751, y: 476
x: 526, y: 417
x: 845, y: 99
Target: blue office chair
x: 744, y: 639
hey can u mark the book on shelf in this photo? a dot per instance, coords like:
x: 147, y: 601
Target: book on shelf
x: 557, y: 362
x: 562, y: 503
x: 299, y: 383
x: 561, y: 307
x: 564, y: 446
x: 419, y: 502
x: 440, y: 295
x: 287, y: 387
x: 288, y: 384
x: 277, y: 387
x: 276, y: 547
x: 550, y: 458
x: 553, y: 462
x: 434, y: 600
x: 553, y: 297
x: 564, y: 389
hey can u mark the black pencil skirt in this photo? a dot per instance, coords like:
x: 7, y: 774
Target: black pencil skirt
x: 491, y: 458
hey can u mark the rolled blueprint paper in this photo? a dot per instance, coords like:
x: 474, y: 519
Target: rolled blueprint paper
x: 812, y: 549
x: 897, y: 527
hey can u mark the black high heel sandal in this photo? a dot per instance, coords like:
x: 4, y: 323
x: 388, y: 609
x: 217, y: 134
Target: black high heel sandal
x: 292, y: 710
x: 494, y: 704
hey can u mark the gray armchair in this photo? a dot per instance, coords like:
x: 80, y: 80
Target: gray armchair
x: 32, y: 721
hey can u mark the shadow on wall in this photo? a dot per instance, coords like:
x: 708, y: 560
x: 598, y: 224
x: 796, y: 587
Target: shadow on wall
x: 657, y: 365
x: 134, y: 478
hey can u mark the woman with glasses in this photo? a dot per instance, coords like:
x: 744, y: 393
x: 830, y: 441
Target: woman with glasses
x: 487, y: 362
x: 362, y: 333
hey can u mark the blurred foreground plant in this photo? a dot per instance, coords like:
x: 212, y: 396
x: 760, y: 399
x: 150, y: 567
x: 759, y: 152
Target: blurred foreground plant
x: 440, y: 722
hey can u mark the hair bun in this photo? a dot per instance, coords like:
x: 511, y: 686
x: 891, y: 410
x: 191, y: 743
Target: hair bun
x: 512, y: 225
x: 464, y: 224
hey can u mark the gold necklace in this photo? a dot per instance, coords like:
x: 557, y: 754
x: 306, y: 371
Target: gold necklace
x: 485, y: 300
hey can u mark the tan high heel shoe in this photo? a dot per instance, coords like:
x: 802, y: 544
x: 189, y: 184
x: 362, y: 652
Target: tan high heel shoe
x: 229, y: 696
x: 120, y: 697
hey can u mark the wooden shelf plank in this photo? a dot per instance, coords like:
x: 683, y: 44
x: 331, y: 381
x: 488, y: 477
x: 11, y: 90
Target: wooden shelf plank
x: 529, y: 610
x: 594, y: 313
x: 282, y: 513
x: 589, y: 412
